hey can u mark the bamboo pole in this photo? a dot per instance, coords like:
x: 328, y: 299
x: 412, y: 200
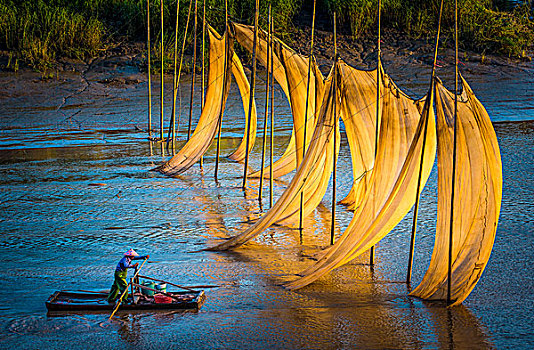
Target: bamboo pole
x: 136, y: 279
x: 193, y: 76
x: 301, y: 218
x: 221, y: 113
x: 267, y: 91
x: 252, y: 88
x: 148, y: 48
x: 425, y: 112
x: 161, y: 76
x: 132, y: 289
x: 454, y: 151
x: 182, y: 57
x: 175, y: 79
x: 333, y: 226
x: 271, y: 171
x: 203, y: 71
x: 377, y: 123
x: 202, y: 97
x: 126, y: 289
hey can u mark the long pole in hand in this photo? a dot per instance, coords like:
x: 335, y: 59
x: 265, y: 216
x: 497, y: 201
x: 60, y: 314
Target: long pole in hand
x: 126, y: 290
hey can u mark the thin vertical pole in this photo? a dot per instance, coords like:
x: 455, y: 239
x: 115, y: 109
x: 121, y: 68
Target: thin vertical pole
x: 332, y: 229
x: 161, y: 75
x: 194, y: 73
x: 132, y: 289
x: 221, y: 114
x: 203, y: 71
x: 426, y: 107
x: 271, y: 171
x: 148, y: 48
x: 175, y: 79
x: 377, y: 123
x: 203, y: 65
x: 182, y: 56
x: 252, y: 88
x: 267, y: 91
x: 454, y: 151
x: 301, y: 216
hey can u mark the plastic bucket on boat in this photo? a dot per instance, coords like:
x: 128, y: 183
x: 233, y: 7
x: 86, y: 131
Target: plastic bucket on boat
x: 149, y: 285
x: 162, y: 287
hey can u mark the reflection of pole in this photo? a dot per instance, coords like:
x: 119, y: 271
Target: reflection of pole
x: 161, y: 75
x: 252, y: 88
x: 174, y: 86
x: 425, y: 114
x: 221, y: 113
x: 194, y: 73
x: 271, y: 171
x: 301, y: 215
x: 454, y: 150
x: 148, y: 56
x: 377, y: 122
x: 332, y: 229
x: 264, y: 149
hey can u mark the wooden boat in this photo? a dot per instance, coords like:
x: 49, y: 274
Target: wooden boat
x: 97, y: 301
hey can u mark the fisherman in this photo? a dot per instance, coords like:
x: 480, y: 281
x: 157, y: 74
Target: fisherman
x: 120, y: 284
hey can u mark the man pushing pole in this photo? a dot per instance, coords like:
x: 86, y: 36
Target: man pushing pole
x: 120, y: 285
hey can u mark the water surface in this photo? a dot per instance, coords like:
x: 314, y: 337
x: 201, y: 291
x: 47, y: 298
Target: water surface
x: 76, y: 191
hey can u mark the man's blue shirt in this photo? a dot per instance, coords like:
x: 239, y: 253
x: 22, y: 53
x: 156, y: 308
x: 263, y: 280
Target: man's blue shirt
x: 126, y: 262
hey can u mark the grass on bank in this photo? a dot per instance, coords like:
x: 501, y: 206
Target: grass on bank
x: 481, y: 26
x: 38, y: 32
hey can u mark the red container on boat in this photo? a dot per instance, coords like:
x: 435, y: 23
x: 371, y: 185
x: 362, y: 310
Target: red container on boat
x: 162, y: 299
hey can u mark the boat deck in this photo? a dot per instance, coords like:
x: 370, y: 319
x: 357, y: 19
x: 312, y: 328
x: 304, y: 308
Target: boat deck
x: 97, y: 301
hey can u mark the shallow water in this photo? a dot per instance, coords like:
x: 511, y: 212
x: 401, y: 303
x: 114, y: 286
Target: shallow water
x: 76, y: 191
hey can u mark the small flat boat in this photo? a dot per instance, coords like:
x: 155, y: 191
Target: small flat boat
x: 97, y: 301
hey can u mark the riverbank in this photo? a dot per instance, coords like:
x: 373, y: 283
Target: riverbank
x: 407, y: 61
x: 43, y: 34
x: 398, y: 51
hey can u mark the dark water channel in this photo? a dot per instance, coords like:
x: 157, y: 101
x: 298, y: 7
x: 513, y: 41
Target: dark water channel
x: 76, y: 191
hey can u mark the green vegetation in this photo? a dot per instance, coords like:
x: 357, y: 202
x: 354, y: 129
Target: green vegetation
x: 481, y: 27
x: 38, y: 32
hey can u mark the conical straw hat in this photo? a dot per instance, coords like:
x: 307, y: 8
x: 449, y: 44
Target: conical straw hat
x: 131, y: 252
